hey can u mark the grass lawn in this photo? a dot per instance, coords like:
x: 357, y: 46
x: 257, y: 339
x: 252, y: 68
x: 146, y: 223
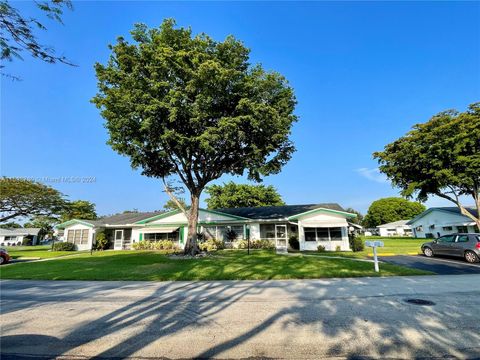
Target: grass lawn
x: 392, y: 246
x: 41, y: 251
x: 223, y: 265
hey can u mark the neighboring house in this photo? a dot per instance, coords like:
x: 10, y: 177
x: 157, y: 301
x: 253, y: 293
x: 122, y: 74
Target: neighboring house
x: 396, y: 228
x: 313, y: 225
x: 439, y: 221
x: 12, y: 237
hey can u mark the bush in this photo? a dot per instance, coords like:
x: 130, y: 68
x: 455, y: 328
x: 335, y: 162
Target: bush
x: 63, y: 246
x: 254, y: 244
x: 101, y: 243
x: 321, y: 248
x: 338, y: 248
x: 293, y: 242
x: 231, y: 235
x: 26, y: 242
x: 211, y: 245
x: 156, y: 245
x: 356, y: 244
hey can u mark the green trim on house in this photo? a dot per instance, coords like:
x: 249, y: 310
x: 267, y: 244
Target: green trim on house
x: 314, y: 211
x: 181, y: 234
x: 140, y: 237
x: 225, y: 214
x: 73, y: 221
x: 159, y: 216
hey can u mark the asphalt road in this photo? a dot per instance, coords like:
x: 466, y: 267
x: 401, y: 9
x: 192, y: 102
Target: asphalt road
x: 438, y: 265
x: 303, y: 319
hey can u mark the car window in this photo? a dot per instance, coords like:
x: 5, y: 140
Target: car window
x: 462, y: 238
x: 446, y: 239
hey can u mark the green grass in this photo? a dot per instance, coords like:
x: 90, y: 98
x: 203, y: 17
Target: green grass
x: 392, y: 246
x: 223, y: 265
x: 40, y: 251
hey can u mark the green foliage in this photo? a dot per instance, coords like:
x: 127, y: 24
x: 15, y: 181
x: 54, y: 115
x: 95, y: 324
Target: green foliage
x: 18, y: 32
x: 26, y: 198
x: 338, y: 248
x: 391, y: 209
x: 101, y: 241
x: 294, y: 243
x: 155, y: 245
x: 27, y: 241
x: 171, y: 205
x: 359, y: 219
x: 45, y: 223
x: 321, y: 248
x: 231, y: 195
x: 63, y: 246
x: 211, y: 245
x: 254, y: 244
x: 440, y: 157
x: 356, y: 243
x: 189, y: 106
x: 10, y: 225
x: 231, y: 235
x: 80, y: 209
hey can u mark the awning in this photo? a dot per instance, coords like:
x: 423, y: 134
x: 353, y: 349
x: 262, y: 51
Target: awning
x: 159, y: 230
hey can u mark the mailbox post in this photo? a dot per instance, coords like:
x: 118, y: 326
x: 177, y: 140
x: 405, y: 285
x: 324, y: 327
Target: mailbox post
x: 374, y: 245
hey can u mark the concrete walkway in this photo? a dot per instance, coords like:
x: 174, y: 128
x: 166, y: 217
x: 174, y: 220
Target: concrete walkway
x: 297, y: 319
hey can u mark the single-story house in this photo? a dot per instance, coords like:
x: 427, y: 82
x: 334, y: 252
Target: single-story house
x: 396, y: 228
x: 15, y: 237
x: 313, y: 225
x: 439, y: 221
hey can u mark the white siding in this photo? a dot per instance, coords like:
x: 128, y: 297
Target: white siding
x: 323, y: 220
x: 436, y: 221
x: 91, y: 235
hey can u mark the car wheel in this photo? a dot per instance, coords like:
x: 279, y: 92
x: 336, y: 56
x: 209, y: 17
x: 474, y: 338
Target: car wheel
x: 428, y: 252
x: 2, y: 260
x: 471, y: 257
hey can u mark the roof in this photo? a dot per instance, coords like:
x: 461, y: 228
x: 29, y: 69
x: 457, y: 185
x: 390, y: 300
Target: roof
x: 448, y: 209
x: 394, y: 224
x: 277, y: 212
x: 19, y: 231
x: 118, y: 219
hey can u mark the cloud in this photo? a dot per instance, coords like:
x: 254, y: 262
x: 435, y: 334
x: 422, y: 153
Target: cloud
x: 373, y: 174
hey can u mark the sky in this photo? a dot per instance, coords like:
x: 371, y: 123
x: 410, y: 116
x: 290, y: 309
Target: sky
x: 363, y: 75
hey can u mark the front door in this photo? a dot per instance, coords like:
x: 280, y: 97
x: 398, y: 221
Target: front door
x: 281, y: 236
x: 118, y: 244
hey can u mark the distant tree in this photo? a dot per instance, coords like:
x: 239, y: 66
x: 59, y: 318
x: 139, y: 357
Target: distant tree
x: 359, y: 219
x: 194, y: 108
x: 10, y: 225
x: 25, y: 198
x: 130, y: 211
x: 172, y: 205
x: 46, y: 225
x: 17, y: 32
x: 79, y: 209
x: 231, y: 195
x: 440, y: 157
x: 391, y: 209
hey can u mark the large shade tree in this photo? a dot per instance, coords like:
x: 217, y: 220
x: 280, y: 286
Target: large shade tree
x: 440, y: 157
x: 195, y: 108
x: 79, y: 209
x: 231, y: 195
x: 391, y: 209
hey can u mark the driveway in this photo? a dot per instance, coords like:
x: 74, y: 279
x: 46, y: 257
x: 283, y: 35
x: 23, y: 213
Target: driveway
x: 299, y: 319
x: 438, y: 265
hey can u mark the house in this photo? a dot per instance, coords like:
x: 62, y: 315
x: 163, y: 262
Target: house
x: 15, y: 237
x: 396, y: 228
x: 439, y: 221
x: 313, y: 225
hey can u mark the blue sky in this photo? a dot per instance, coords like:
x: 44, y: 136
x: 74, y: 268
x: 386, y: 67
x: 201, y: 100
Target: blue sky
x: 363, y: 74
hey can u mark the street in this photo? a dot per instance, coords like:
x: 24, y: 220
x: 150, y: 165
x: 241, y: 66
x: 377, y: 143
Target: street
x: 439, y: 265
x: 309, y: 319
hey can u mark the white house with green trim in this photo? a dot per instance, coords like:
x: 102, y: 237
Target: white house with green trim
x: 313, y: 225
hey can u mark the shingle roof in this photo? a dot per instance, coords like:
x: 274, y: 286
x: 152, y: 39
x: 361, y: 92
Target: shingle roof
x: 451, y: 209
x: 19, y: 231
x: 394, y: 223
x: 277, y: 212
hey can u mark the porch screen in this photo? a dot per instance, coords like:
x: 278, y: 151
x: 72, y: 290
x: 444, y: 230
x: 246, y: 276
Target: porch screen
x: 267, y: 231
x: 323, y: 234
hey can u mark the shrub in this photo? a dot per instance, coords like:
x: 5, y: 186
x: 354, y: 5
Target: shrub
x: 211, y: 245
x: 63, y: 246
x: 231, y: 235
x: 101, y: 243
x: 356, y: 244
x: 155, y: 245
x: 338, y: 248
x: 321, y: 248
x: 293, y: 242
x: 26, y: 242
x: 254, y: 244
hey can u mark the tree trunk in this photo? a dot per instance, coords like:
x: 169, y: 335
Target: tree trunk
x: 191, y: 246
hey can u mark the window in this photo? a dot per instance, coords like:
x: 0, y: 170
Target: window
x: 310, y: 234
x: 447, y: 228
x: 431, y: 227
x: 84, y: 239
x: 322, y: 234
x: 462, y: 229
x: 392, y: 230
x: 70, y: 236
x: 173, y: 236
x: 77, y: 236
x: 463, y: 238
x: 419, y: 228
x: 238, y: 229
x: 446, y: 239
x: 336, y: 234
x: 267, y: 231
x: 10, y: 238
